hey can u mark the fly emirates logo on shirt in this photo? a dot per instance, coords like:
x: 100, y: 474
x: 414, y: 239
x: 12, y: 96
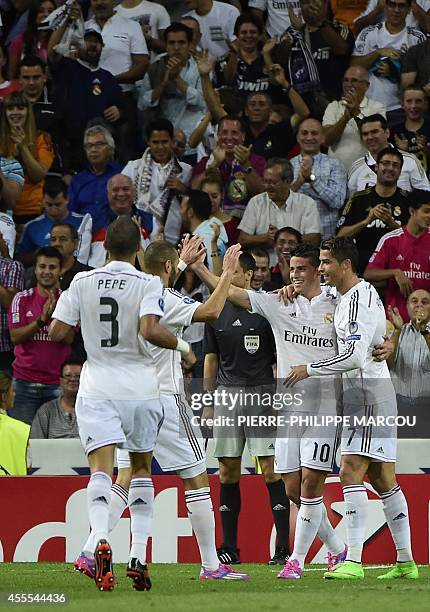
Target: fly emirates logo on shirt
x: 310, y: 336
x: 416, y: 272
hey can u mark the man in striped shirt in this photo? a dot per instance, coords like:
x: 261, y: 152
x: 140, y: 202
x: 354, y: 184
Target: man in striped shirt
x: 410, y: 363
x: 368, y: 393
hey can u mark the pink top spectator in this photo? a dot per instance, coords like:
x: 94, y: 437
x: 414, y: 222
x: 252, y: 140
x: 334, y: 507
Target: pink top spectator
x: 37, y: 360
x: 400, y: 250
x: 17, y: 47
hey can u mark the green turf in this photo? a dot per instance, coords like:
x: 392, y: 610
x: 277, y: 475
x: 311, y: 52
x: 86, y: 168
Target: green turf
x: 177, y: 589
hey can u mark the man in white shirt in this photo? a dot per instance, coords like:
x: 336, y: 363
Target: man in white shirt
x: 216, y: 21
x: 278, y: 207
x: 342, y: 117
x: 374, y: 135
x: 278, y: 14
x: 152, y: 18
x: 119, y: 400
x: 378, y: 48
x: 159, y: 178
x: 368, y: 393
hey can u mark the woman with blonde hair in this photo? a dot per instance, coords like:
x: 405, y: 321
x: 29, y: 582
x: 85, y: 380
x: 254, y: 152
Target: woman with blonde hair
x: 20, y: 139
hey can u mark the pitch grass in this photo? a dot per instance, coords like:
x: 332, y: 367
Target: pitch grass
x: 176, y: 588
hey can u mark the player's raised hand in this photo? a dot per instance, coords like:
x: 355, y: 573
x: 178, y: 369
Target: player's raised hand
x: 192, y: 249
x: 295, y: 375
x: 231, y: 258
x: 404, y: 283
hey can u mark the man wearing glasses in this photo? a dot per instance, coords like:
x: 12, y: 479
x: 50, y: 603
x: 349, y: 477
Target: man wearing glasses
x: 56, y: 418
x: 342, y: 117
x: 371, y: 213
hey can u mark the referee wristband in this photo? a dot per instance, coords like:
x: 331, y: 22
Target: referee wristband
x: 182, y: 265
x: 182, y: 346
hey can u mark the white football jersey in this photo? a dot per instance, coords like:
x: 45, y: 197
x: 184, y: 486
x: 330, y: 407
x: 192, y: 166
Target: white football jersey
x: 303, y: 331
x: 178, y: 313
x: 109, y: 302
x: 360, y: 326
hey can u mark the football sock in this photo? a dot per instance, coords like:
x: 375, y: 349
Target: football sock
x: 229, y: 509
x: 355, y: 497
x: 397, y: 515
x: 201, y: 515
x: 327, y: 534
x: 280, y: 505
x: 140, y: 503
x: 307, y: 523
x: 118, y: 503
x: 98, y: 498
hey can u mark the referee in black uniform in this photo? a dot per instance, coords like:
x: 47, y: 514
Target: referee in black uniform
x: 239, y: 353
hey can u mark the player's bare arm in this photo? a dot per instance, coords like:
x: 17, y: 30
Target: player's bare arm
x: 211, y: 310
x: 236, y: 295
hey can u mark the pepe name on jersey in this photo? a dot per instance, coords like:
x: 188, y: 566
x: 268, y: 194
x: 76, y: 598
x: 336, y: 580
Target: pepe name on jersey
x: 111, y: 283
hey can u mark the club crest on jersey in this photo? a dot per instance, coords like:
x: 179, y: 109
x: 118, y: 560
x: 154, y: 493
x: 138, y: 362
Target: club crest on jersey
x: 328, y: 318
x: 252, y: 343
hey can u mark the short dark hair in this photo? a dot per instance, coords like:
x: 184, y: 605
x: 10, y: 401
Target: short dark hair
x: 247, y: 262
x: 259, y: 93
x: 232, y: 118
x: 248, y: 18
x: 308, y: 251
x: 70, y: 362
x: 375, y: 118
x: 390, y: 151
x: 49, y: 251
x: 160, y: 125
x: 30, y: 61
x: 53, y: 186
x: 413, y: 88
x: 260, y: 252
x: 122, y: 237
x: 200, y: 202
x: 72, y: 229
x: 418, y: 198
x: 178, y: 27
x: 342, y: 249
x: 156, y: 255
x: 288, y: 230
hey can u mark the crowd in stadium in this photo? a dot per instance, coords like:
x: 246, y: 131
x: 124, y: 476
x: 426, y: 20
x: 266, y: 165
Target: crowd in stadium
x: 262, y: 122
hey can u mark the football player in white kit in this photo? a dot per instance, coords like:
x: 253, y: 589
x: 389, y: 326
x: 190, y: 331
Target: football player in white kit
x: 178, y: 446
x: 304, y: 455
x: 118, y: 400
x: 368, y: 393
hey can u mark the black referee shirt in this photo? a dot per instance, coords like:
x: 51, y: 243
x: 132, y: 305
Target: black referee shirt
x: 245, y: 347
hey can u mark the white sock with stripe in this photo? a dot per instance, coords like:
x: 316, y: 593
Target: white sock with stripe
x: 118, y: 503
x: 141, y: 504
x: 397, y: 515
x: 328, y: 536
x: 201, y: 515
x: 356, y: 503
x: 98, y: 500
x: 307, y: 524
